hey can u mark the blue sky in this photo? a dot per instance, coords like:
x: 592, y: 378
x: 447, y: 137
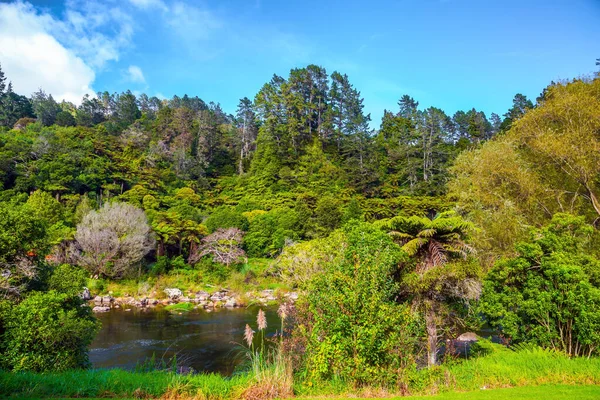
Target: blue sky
x: 452, y: 54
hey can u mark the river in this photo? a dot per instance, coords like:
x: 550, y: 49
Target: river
x: 205, y: 341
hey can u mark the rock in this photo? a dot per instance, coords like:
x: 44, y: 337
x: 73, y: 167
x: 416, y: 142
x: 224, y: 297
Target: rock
x: 230, y: 303
x: 467, y: 337
x: 184, y: 300
x: 100, y: 309
x: 216, y: 297
x: 202, y: 295
x: 173, y: 293
x: 144, y: 302
x: 86, y: 295
x: 103, y: 300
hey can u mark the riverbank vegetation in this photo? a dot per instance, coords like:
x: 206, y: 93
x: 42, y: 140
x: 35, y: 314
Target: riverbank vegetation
x: 398, y: 239
x: 501, y: 369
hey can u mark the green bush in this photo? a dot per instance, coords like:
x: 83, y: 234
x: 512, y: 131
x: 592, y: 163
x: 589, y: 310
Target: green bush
x: 353, y: 328
x: 549, y: 294
x: 47, y: 332
x: 67, y: 279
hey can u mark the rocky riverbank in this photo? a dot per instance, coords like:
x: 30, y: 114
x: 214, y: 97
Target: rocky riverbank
x: 201, y: 299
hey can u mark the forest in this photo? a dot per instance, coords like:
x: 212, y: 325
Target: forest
x: 397, y: 238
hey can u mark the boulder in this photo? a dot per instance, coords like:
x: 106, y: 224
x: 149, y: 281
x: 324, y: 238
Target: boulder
x: 231, y: 302
x: 467, y: 337
x: 173, y: 293
x: 100, y: 309
x: 86, y: 295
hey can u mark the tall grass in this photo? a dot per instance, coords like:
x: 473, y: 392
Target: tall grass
x: 271, y: 369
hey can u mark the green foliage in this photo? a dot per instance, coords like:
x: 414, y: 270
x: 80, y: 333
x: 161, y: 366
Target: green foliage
x: 180, y: 307
x: 226, y: 217
x: 353, y: 327
x: 268, y: 232
x: 537, y: 168
x: 549, y: 294
x: 299, y: 263
x: 327, y: 214
x: 67, y: 279
x: 47, y: 332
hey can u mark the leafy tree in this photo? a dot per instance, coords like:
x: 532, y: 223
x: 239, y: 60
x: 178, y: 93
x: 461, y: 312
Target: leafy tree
x: 90, y: 112
x: 248, y: 131
x: 536, y: 169
x: 126, y: 109
x: 327, y: 214
x: 22, y: 242
x: 520, y: 106
x: 226, y: 217
x: 45, y: 107
x: 64, y: 118
x: 549, y: 294
x: 268, y: 232
x: 111, y: 241
x: 434, y: 277
x: 13, y: 107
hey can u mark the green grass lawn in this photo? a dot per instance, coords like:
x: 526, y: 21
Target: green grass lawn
x: 545, y: 392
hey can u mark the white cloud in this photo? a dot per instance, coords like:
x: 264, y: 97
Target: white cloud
x: 192, y: 23
x: 145, y: 4
x: 135, y: 74
x: 32, y: 58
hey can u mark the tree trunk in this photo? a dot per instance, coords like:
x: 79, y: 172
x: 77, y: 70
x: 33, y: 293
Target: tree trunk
x: 432, y: 336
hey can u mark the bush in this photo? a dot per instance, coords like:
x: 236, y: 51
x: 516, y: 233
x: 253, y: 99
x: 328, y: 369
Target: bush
x: 353, y: 328
x: 549, y: 295
x: 67, y: 279
x: 47, y: 332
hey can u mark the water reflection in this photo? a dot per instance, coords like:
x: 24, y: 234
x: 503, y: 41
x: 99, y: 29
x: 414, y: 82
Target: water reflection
x: 205, y: 341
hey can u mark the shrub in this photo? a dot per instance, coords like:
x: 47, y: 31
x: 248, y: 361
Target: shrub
x: 47, y: 332
x: 353, y: 328
x: 67, y: 279
x: 549, y: 295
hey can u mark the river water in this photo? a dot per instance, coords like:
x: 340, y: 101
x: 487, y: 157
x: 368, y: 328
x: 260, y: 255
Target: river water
x: 205, y: 341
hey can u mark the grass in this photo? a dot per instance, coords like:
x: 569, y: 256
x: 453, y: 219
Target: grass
x: 546, y: 392
x: 180, y: 307
x: 118, y: 384
x: 532, y: 373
